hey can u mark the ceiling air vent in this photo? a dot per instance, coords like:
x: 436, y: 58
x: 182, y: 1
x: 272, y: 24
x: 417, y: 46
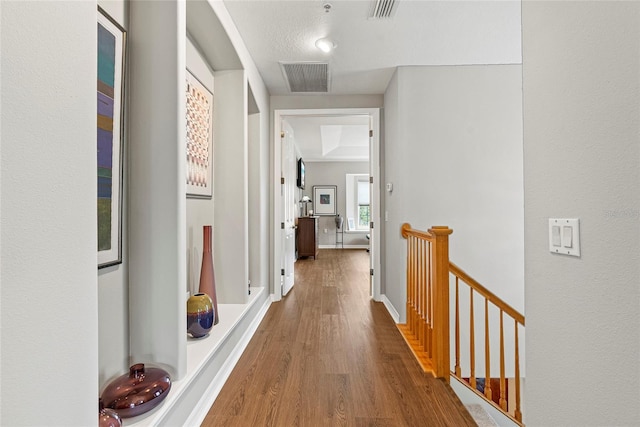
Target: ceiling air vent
x: 306, y: 76
x: 383, y: 9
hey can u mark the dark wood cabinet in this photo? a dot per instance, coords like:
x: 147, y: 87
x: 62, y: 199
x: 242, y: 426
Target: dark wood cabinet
x: 308, y: 236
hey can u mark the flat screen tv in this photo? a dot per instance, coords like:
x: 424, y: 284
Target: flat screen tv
x: 300, y: 174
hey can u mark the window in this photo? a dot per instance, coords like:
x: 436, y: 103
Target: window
x: 357, y: 202
x: 363, y: 204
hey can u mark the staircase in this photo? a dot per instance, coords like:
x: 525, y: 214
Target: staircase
x: 480, y: 415
x: 484, y: 325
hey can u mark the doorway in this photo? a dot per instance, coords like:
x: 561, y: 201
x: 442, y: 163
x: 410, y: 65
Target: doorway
x: 283, y: 181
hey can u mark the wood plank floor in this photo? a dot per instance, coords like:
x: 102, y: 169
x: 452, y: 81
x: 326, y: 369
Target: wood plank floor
x: 327, y: 355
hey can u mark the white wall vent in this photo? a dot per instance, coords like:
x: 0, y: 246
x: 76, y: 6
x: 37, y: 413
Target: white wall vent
x: 306, y: 76
x: 383, y: 9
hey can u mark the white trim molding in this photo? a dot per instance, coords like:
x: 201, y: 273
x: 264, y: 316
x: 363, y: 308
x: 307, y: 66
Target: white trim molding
x: 345, y: 247
x: 390, y: 308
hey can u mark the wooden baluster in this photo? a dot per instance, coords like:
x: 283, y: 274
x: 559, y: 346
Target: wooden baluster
x: 517, y: 413
x: 457, y: 366
x: 423, y: 309
x: 472, y: 342
x: 425, y: 297
x: 408, y: 314
x: 413, y: 285
x: 429, y: 301
x: 419, y: 291
x: 503, y: 382
x: 416, y: 295
x: 487, y: 359
x: 416, y: 273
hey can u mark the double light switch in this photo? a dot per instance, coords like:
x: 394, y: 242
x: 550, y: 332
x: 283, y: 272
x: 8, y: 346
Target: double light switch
x: 564, y: 236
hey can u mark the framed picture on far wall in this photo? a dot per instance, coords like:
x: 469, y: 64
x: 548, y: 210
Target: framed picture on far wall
x: 324, y: 200
x: 110, y: 92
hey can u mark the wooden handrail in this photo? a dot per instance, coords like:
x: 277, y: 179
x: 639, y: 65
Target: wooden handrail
x: 427, y: 332
x: 407, y: 231
x: 493, y: 298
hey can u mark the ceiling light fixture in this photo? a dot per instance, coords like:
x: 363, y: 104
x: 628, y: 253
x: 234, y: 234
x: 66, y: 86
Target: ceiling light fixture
x: 325, y: 45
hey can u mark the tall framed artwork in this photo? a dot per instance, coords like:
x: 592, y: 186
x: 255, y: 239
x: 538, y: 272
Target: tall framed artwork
x: 112, y: 40
x: 199, y: 139
x: 324, y: 200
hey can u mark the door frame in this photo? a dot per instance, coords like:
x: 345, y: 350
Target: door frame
x: 276, y: 202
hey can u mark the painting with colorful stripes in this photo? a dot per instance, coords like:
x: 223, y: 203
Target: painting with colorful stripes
x: 111, y: 51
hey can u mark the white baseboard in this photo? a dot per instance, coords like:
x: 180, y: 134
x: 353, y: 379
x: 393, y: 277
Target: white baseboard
x: 391, y: 309
x: 345, y: 247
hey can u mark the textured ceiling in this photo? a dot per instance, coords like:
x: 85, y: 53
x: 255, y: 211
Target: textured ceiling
x: 331, y: 138
x: 421, y: 32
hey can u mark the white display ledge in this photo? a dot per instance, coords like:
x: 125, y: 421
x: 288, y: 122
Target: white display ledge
x: 200, y: 352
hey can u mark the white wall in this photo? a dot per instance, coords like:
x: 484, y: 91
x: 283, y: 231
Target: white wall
x: 453, y: 150
x: 48, y: 214
x: 199, y: 211
x: 79, y: 337
x: 582, y: 151
x: 253, y: 81
x: 334, y: 173
x: 258, y: 204
x: 157, y: 205
x: 231, y: 228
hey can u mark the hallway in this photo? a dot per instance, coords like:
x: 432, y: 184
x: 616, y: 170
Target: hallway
x: 326, y: 355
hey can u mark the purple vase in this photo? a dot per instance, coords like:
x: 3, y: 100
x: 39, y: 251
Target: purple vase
x: 138, y: 392
x: 207, y: 277
x: 199, y: 315
x: 107, y: 417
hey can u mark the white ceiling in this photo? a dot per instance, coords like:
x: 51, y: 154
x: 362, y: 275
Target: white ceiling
x: 331, y: 138
x: 420, y: 32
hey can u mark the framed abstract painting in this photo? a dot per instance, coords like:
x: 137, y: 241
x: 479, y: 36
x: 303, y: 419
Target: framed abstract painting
x: 199, y: 139
x: 110, y: 109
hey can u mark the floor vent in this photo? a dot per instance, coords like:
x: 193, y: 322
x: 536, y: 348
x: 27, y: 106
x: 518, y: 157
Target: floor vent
x: 306, y: 76
x: 382, y: 9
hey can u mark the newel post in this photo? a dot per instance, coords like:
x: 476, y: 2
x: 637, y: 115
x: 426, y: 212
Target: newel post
x: 440, y: 265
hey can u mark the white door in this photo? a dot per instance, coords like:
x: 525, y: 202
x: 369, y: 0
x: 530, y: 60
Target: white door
x: 289, y: 206
x: 374, y: 203
x: 372, y: 209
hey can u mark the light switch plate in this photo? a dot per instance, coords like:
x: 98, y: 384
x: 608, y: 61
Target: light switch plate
x: 556, y: 238
x: 570, y: 236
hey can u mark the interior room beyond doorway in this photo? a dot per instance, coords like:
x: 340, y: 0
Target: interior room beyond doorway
x: 334, y: 201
